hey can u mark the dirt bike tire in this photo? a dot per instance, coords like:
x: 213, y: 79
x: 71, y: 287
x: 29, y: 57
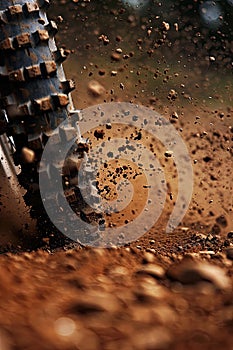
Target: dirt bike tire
x: 34, y: 93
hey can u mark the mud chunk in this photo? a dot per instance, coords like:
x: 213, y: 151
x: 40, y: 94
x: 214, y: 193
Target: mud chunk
x: 96, y: 88
x: 172, y: 95
x: 99, y: 134
x: 104, y: 39
x: 152, y: 270
x: 165, y: 26
x: 148, y: 258
x: 168, y: 154
x: 174, y: 115
x: 28, y: 155
x: 191, y: 272
x: 115, y: 56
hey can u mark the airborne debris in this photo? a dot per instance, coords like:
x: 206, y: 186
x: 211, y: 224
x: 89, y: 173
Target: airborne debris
x: 165, y: 26
x: 28, y: 155
x: 104, y: 39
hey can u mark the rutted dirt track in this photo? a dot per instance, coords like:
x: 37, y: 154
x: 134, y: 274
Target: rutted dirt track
x: 164, y: 291
x: 149, y: 296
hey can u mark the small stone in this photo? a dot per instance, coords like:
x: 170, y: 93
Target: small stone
x: 152, y: 270
x: 174, y: 115
x: 96, y: 88
x: 207, y: 252
x: 165, y: 26
x: 119, y: 50
x: 115, y: 56
x: 60, y: 19
x: 176, y: 26
x: 230, y: 235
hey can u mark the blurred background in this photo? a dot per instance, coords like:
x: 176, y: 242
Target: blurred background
x: 150, y: 47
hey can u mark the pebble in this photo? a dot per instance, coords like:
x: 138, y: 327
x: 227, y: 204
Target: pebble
x: 115, y: 56
x: 174, y: 115
x: 96, y: 88
x: 166, y: 26
x: 191, y: 272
